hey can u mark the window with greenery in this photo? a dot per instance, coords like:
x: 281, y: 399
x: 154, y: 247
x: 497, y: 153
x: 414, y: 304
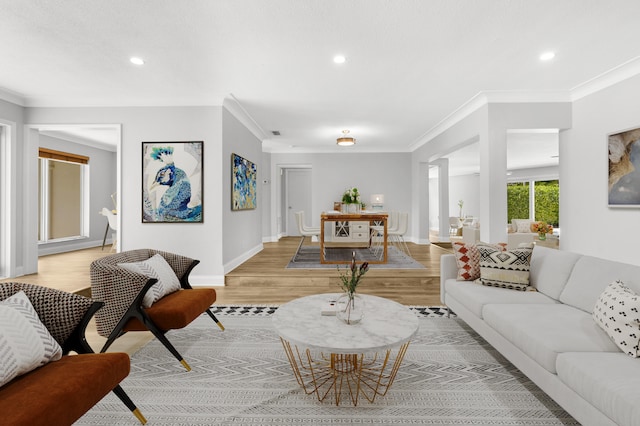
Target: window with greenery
x: 518, y: 200
x: 545, y: 200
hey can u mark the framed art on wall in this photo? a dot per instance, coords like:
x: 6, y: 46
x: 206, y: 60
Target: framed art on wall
x: 243, y: 183
x: 172, y: 181
x: 624, y: 168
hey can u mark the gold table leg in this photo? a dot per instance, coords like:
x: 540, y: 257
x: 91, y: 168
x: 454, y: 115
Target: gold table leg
x: 368, y: 375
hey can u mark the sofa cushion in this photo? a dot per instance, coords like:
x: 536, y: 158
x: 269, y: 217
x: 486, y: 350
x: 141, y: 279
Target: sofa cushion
x: 176, y: 310
x: 505, y: 269
x: 155, y: 267
x: 550, y: 269
x: 591, y: 275
x: 609, y: 381
x: 474, y: 296
x: 62, y: 391
x: 25, y: 343
x: 544, y: 331
x: 617, y: 312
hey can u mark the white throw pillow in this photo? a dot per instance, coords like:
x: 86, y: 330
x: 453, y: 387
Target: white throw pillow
x: 25, y: 343
x: 506, y: 269
x: 155, y: 267
x: 522, y: 225
x: 617, y: 312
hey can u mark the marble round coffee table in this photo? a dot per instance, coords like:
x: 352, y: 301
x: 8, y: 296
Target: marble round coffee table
x: 328, y: 356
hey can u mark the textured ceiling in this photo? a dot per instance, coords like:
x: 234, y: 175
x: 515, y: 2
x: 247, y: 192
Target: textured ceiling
x: 410, y: 63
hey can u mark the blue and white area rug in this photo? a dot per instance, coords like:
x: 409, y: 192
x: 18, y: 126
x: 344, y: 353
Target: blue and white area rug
x: 309, y: 258
x: 450, y: 376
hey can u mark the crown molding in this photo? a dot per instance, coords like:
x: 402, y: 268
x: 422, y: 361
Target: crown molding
x: 608, y: 78
x: 237, y: 110
x: 13, y: 97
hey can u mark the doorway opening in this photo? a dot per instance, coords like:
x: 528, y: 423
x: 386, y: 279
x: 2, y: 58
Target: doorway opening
x: 296, y: 195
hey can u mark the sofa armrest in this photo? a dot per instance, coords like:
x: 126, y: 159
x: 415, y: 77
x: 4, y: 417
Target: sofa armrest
x: 448, y: 270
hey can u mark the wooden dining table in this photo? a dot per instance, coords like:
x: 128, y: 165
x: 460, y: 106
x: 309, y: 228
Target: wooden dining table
x: 372, y: 217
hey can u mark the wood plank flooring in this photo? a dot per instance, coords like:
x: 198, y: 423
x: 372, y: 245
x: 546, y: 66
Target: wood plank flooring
x: 263, y: 279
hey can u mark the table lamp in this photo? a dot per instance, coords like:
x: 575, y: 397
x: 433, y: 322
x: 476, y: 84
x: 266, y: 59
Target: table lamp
x: 377, y: 201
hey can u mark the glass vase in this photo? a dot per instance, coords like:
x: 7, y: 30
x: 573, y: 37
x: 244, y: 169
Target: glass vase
x: 350, y: 308
x: 542, y: 236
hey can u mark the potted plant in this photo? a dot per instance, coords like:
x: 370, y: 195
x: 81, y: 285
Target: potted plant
x: 350, y: 307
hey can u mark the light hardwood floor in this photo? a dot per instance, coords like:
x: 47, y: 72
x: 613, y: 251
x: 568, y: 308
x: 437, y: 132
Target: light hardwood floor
x: 263, y: 279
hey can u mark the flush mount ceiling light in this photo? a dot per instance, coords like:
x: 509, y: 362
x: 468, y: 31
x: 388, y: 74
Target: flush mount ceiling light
x: 137, y: 61
x: 339, y: 59
x: 346, y: 140
x: 547, y: 56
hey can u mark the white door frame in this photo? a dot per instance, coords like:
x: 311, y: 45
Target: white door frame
x: 30, y: 188
x: 8, y: 206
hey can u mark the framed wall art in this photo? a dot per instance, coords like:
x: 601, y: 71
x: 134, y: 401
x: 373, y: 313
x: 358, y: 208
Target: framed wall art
x: 172, y: 181
x: 624, y: 168
x: 243, y: 183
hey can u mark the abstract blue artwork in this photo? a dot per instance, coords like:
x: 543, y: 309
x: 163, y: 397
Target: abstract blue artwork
x: 243, y: 183
x: 172, y: 182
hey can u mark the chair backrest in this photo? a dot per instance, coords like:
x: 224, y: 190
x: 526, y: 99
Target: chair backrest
x: 454, y: 221
x: 112, y: 218
x: 392, y: 223
x: 403, y: 223
x: 300, y: 221
x: 64, y: 314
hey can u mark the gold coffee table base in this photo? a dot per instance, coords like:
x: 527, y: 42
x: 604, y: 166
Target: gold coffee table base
x: 358, y: 374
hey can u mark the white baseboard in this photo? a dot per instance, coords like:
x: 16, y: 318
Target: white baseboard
x: 206, y: 280
x: 65, y: 247
x: 234, y: 263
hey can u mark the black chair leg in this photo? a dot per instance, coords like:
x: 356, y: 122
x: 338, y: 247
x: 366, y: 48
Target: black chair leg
x: 167, y: 344
x: 218, y: 323
x: 120, y: 393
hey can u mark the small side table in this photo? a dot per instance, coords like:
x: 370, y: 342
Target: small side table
x: 329, y: 357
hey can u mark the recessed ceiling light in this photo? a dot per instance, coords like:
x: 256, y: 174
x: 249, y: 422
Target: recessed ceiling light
x: 547, y: 56
x: 339, y: 59
x: 137, y: 61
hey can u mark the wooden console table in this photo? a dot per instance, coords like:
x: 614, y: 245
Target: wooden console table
x: 353, y: 217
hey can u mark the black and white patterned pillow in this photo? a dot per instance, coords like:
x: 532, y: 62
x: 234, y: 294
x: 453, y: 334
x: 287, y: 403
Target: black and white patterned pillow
x: 155, y: 267
x: 617, y: 312
x: 25, y: 342
x: 506, y: 269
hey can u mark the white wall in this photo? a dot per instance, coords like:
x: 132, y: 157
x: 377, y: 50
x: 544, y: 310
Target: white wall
x: 589, y: 226
x: 157, y: 124
x: 466, y: 188
x: 242, y: 230
x: 102, y: 181
x: 384, y: 173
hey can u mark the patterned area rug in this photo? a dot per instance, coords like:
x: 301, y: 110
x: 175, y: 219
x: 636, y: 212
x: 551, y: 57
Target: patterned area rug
x: 450, y: 376
x: 309, y: 258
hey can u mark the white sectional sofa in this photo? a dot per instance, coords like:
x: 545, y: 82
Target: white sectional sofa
x: 550, y: 335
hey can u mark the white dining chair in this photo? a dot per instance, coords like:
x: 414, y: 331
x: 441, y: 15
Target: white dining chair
x: 304, y: 232
x: 377, y: 234
x: 112, y: 222
x: 396, y: 236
